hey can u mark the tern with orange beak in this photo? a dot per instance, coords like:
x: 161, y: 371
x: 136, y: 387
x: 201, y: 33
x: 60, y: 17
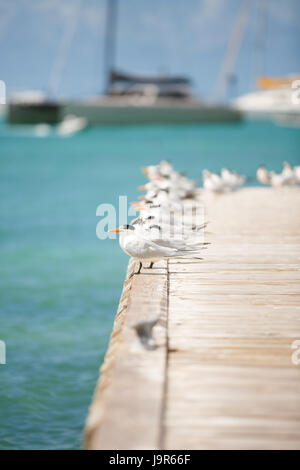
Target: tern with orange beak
x: 136, y: 243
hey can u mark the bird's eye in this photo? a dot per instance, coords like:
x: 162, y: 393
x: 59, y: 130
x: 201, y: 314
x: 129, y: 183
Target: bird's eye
x: 150, y: 217
x: 128, y: 227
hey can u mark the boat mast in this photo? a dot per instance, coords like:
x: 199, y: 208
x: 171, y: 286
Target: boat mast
x: 110, y: 41
x: 260, y: 40
x: 63, y: 50
x: 232, y: 51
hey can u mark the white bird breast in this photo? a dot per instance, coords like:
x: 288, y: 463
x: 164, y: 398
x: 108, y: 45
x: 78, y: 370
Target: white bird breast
x: 135, y: 247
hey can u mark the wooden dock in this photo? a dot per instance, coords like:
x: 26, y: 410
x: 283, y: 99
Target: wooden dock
x: 221, y: 375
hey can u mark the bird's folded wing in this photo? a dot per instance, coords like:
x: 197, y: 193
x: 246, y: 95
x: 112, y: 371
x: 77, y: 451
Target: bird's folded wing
x: 155, y: 248
x: 178, y: 244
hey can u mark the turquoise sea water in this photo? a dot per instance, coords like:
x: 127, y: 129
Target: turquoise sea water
x: 60, y: 285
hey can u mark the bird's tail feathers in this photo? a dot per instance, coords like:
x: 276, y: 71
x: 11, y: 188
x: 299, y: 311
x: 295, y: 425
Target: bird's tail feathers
x: 188, y: 254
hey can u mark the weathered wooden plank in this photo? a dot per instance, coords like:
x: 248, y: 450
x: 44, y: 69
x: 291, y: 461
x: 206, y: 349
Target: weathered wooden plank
x: 127, y: 407
x: 216, y: 268
x: 232, y: 320
x: 233, y: 407
x: 252, y: 352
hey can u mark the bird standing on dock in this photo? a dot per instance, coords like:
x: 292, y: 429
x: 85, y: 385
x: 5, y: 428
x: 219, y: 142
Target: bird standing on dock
x: 165, y: 228
x: 288, y: 173
x: 263, y: 175
x: 213, y: 182
x: 296, y: 170
x: 170, y: 223
x: 183, y: 231
x: 231, y: 178
x: 138, y: 245
x: 165, y: 173
x: 289, y: 176
x: 227, y: 181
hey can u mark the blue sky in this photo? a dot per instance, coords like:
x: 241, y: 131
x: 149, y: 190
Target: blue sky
x: 154, y: 36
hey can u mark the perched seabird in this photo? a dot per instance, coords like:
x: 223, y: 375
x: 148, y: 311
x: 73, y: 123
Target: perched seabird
x: 287, y: 177
x: 213, y: 182
x: 263, y: 175
x: 137, y: 244
x: 296, y: 170
x: 167, y: 227
x: 231, y: 178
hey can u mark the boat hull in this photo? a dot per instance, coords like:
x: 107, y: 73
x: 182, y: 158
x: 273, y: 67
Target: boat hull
x: 105, y: 114
x: 33, y: 113
x: 119, y: 114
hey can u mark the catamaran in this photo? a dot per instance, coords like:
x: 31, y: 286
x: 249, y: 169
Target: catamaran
x: 128, y: 99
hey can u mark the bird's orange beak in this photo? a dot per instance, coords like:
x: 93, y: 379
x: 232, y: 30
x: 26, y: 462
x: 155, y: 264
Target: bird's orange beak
x: 156, y: 178
x: 138, y: 206
x: 143, y: 198
x: 117, y: 230
x: 142, y: 188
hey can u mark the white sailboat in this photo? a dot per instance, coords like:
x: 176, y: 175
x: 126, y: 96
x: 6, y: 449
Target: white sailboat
x: 277, y: 99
